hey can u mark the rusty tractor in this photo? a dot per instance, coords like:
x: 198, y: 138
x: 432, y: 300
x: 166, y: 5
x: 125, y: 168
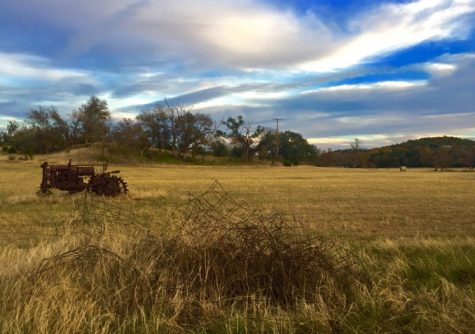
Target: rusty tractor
x: 77, y: 178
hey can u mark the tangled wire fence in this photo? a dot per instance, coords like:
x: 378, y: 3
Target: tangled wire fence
x: 218, y: 250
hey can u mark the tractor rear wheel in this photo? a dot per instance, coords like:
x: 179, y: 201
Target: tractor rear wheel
x: 108, y: 185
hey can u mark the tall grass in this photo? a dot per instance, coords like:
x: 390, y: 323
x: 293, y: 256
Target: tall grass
x: 105, y: 296
x: 221, y: 266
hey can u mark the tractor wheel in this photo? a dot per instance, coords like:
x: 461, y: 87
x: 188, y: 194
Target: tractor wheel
x: 107, y: 185
x: 123, y: 184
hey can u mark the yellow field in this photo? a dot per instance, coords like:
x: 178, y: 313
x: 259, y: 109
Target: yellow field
x: 363, y: 203
x: 415, y: 232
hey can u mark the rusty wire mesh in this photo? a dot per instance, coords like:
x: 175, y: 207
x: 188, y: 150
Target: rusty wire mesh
x: 218, y: 250
x: 93, y: 213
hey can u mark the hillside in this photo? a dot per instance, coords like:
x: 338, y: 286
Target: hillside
x: 435, y: 143
x: 438, y: 152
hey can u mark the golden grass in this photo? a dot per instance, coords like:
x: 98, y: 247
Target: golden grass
x: 364, y: 203
x: 413, y: 231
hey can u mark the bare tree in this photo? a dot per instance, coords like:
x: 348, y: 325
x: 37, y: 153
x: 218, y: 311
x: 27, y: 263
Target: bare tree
x: 177, y: 128
x: 130, y: 136
x: 243, y: 134
x: 156, y: 125
x: 49, y: 129
x: 356, y: 147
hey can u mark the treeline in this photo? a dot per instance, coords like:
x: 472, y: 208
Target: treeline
x: 171, y: 129
x: 437, y: 152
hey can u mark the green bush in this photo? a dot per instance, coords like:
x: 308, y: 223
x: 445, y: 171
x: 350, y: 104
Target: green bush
x: 287, y: 163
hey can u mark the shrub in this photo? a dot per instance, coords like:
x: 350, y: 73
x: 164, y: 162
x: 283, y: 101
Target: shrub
x: 287, y: 163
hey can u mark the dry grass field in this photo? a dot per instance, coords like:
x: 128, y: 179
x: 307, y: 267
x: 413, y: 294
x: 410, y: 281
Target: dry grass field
x: 412, y: 232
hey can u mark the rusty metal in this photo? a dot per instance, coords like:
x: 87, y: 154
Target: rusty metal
x: 77, y: 178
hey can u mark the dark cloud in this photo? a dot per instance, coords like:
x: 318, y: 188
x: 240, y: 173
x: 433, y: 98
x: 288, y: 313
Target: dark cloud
x: 12, y: 109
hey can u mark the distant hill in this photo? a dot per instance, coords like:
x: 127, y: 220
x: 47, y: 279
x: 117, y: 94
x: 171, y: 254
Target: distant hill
x: 435, y: 142
x: 438, y: 152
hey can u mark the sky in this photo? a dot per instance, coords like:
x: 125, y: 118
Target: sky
x: 383, y: 71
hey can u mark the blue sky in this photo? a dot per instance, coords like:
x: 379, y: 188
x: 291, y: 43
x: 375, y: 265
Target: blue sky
x: 383, y: 71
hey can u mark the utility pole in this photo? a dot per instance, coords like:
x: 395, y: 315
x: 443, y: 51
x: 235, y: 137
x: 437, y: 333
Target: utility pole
x: 277, y: 123
x: 277, y: 139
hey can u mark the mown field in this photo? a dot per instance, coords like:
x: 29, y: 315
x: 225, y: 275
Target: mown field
x: 413, y: 232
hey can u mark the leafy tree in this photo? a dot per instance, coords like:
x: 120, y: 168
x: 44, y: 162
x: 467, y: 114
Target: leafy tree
x: 194, y: 132
x: 93, y: 120
x: 295, y: 148
x: 292, y: 146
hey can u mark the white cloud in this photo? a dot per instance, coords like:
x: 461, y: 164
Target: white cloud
x: 394, y: 27
x: 381, y: 85
x: 344, y: 142
x: 21, y: 67
x: 244, y: 33
x: 224, y: 102
x: 440, y: 69
x: 116, y: 103
x: 8, y: 118
x: 17, y: 66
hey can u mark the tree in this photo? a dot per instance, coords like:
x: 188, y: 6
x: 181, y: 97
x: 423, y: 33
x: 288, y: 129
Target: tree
x: 156, y: 124
x: 74, y: 129
x: 177, y: 128
x: 92, y: 119
x: 242, y: 134
x: 442, y: 157
x: 295, y: 148
x: 292, y: 146
x: 49, y: 129
x: 130, y: 136
x: 468, y: 156
x: 195, y: 131
x: 174, y: 114
x: 12, y: 128
x: 218, y: 147
x: 355, y: 148
x: 356, y: 144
